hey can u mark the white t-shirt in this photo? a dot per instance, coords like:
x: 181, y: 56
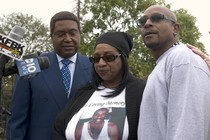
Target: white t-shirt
x: 116, y: 113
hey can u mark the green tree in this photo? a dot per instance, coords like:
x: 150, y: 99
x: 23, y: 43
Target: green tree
x: 189, y: 33
x: 99, y: 16
x: 36, y: 39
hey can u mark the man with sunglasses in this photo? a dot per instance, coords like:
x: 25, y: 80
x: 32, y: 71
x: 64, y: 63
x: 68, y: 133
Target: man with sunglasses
x: 176, y: 99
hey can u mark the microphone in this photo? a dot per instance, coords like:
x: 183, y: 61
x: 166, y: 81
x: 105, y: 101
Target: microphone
x: 11, y: 46
x: 29, y: 67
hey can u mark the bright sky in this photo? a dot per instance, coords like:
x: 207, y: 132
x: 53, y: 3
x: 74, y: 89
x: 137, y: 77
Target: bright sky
x: 45, y: 9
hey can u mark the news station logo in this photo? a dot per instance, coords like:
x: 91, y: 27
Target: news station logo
x: 11, y: 47
x: 28, y: 67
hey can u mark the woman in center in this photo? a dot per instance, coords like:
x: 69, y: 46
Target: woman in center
x: 107, y: 108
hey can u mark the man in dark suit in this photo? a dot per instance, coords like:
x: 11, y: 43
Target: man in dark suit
x: 37, y: 101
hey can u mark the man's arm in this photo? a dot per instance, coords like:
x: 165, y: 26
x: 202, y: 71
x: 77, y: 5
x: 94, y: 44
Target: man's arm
x: 78, y: 131
x: 113, y: 131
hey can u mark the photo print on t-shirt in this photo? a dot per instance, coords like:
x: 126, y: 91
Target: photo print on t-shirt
x: 101, y: 123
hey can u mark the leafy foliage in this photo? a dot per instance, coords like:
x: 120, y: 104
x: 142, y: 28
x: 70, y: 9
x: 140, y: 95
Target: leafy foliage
x: 100, y: 16
x: 189, y: 33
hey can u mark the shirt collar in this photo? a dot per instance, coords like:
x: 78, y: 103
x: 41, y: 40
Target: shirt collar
x: 73, y: 58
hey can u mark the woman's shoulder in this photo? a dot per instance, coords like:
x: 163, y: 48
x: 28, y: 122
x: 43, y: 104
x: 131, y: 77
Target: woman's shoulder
x: 136, y: 80
x: 136, y: 83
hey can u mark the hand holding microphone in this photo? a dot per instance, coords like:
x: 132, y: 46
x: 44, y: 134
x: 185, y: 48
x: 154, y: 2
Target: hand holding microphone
x: 11, y: 47
x: 29, y: 67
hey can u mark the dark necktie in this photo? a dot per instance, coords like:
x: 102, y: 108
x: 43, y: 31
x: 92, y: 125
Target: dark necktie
x: 66, y: 74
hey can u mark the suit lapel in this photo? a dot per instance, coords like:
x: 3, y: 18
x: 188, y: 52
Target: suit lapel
x: 82, y: 74
x: 54, y: 81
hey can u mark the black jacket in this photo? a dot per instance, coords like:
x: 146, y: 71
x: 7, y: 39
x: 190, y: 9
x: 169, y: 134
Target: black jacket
x: 134, y: 91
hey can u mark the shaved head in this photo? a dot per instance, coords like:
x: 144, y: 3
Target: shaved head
x: 163, y: 10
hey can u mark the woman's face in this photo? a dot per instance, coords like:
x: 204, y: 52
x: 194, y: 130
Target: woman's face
x: 110, y: 69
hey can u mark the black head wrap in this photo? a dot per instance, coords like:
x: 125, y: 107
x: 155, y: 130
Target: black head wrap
x: 120, y: 40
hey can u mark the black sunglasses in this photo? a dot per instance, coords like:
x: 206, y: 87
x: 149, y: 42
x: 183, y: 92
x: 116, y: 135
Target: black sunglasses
x: 107, y: 58
x: 156, y: 17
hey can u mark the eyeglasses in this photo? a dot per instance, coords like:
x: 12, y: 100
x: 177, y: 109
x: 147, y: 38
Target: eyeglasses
x: 156, y: 17
x: 106, y: 58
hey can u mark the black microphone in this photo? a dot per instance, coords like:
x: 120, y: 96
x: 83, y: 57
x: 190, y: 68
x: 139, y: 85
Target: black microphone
x: 29, y: 67
x: 10, y: 46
